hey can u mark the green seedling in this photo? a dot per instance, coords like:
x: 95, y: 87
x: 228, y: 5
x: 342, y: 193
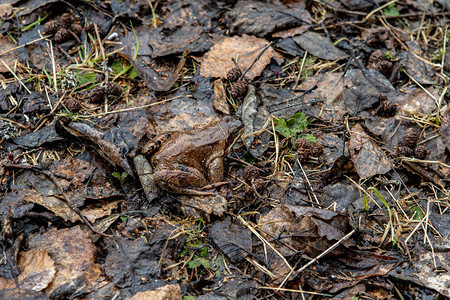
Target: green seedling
x: 416, y: 213
x: 31, y: 25
x: 122, y: 67
x: 366, y: 206
x: 136, y: 47
x: 294, y: 128
x: 123, y: 177
x: 391, y: 11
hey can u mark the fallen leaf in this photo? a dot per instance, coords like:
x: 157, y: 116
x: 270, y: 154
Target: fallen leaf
x: 217, y: 62
x: 368, y: 157
x: 38, y: 270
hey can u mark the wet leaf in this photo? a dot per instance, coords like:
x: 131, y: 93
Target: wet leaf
x: 74, y: 255
x: 319, y: 45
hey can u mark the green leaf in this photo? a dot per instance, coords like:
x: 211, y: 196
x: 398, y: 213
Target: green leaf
x: 391, y: 11
x: 204, y: 252
x: 123, y: 219
x: 193, y: 264
x: 86, y: 78
x: 205, y: 263
x: 183, y: 252
x: 118, y: 66
x: 282, y: 128
x: 418, y: 213
x: 310, y: 138
x: 116, y: 174
x: 297, y: 123
x: 133, y: 73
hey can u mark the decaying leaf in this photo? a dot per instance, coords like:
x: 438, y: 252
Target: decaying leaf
x: 169, y: 291
x: 218, y: 61
x: 204, y: 207
x: 220, y: 97
x: 368, y: 157
x: 9, y: 58
x: 74, y: 255
x: 106, y: 149
x: 38, y: 270
x: 319, y: 45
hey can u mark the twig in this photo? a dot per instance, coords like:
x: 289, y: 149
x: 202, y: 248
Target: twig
x: 334, y: 246
x: 26, y: 44
x: 306, y: 177
x: 15, y: 76
x: 131, y: 108
x: 301, y: 70
x: 264, y: 241
x: 293, y: 291
x: 379, y: 8
x: 256, y: 59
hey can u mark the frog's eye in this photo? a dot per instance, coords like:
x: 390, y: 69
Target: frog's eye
x: 227, y: 119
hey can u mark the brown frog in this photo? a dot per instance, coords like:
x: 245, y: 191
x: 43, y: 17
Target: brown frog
x: 187, y: 161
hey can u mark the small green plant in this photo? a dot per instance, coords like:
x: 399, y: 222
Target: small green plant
x: 366, y: 206
x: 391, y: 11
x: 388, y: 55
x: 294, y: 128
x: 122, y: 67
x: 416, y: 213
x: 123, y: 177
x: 136, y: 47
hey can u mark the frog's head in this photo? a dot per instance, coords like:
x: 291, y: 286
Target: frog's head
x: 232, y: 129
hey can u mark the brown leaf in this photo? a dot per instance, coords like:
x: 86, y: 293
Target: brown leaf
x: 38, y: 270
x: 74, y: 254
x: 220, y: 97
x: 217, y: 62
x: 105, y: 148
x: 368, y: 157
x: 168, y: 292
x: 9, y: 58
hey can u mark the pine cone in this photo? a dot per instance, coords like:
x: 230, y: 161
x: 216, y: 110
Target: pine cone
x: 91, y: 29
x: 239, y: 89
x: 404, y: 151
x: 259, y: 184
x: 303, y: 149
x: 234, y: 74
x: 387, y: 108
x: 378, y: 61
x: 113, y: 89
x: 250, y: 172
x: 51, y: 27
x: 72, y: 104
x: 66, y: 20
x: 421, y: 152
x: 410, y: 138
x: 97, y: 95
x: 62, y: 35
x: 76, y: 28
x: 316, y: 149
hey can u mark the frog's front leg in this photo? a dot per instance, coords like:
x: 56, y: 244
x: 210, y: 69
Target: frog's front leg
x: 153, y: 144
x: 215, y: 169
x: 181, y: 180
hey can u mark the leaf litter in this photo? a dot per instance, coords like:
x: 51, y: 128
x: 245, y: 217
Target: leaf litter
x: 337, y: 187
